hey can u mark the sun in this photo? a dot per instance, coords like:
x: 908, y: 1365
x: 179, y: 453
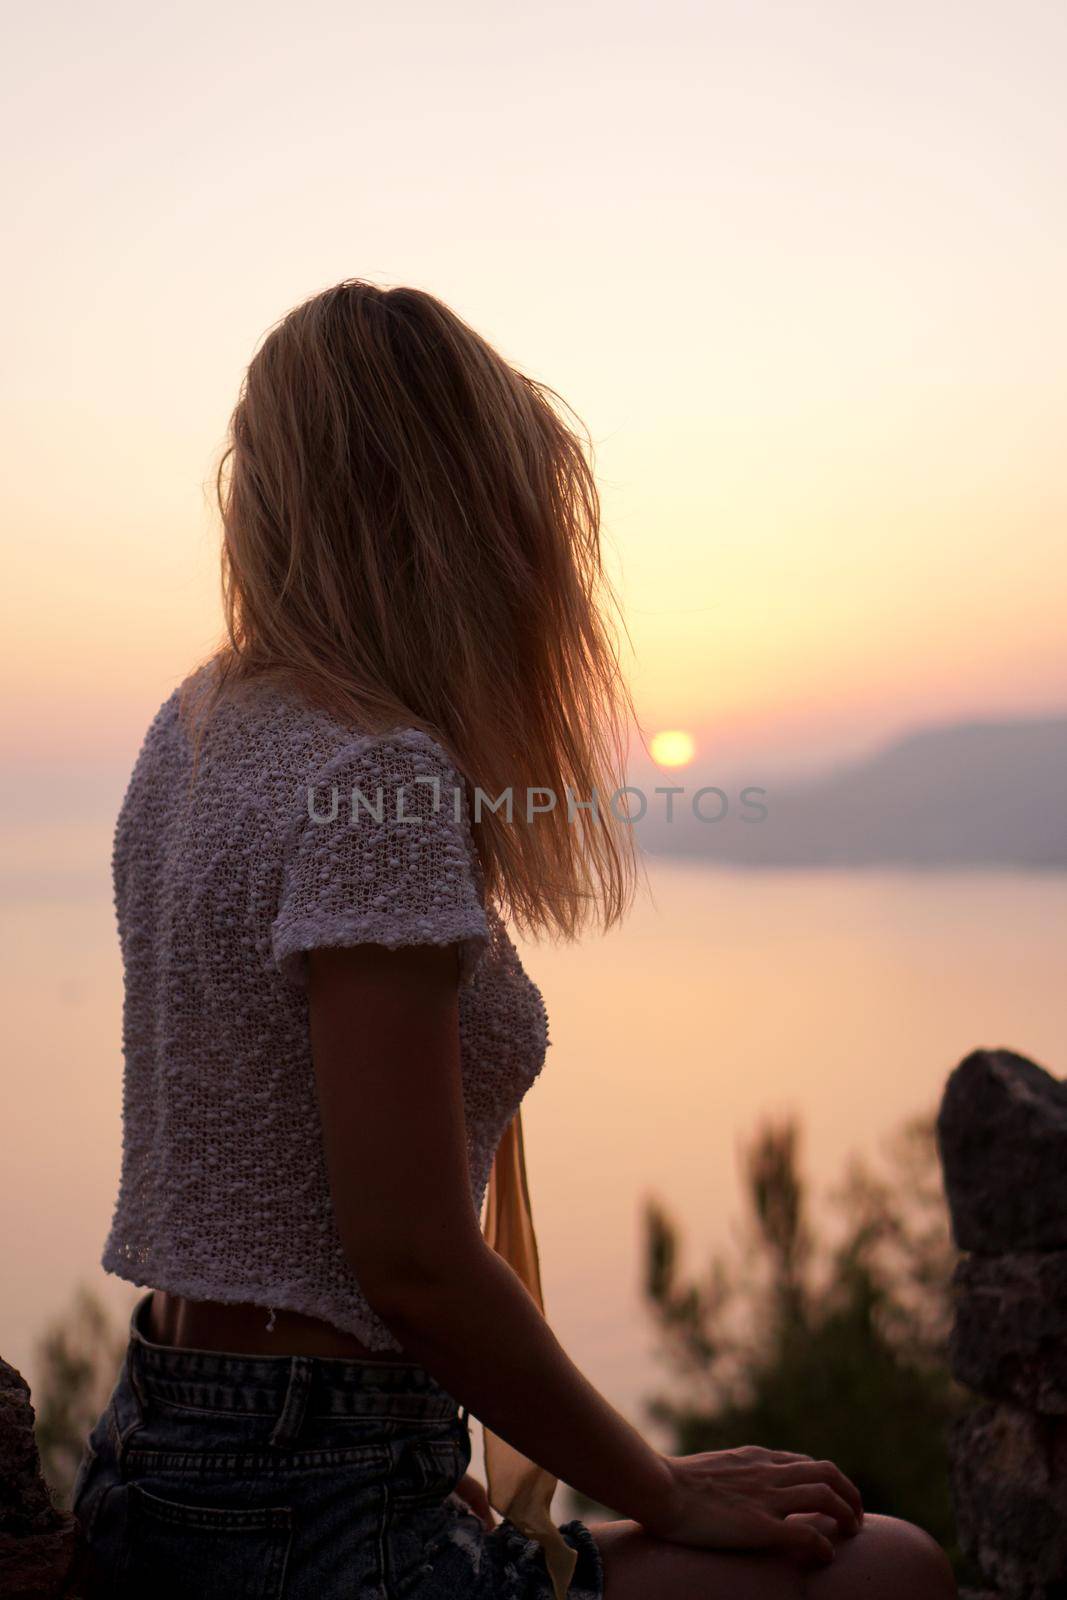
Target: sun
x: 673, y: 748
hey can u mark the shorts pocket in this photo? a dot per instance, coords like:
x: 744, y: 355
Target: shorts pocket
x: 174, y: 1550
x: 430, y: 1469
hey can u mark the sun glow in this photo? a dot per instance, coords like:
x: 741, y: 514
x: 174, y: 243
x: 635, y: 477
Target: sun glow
x: 673, y: 748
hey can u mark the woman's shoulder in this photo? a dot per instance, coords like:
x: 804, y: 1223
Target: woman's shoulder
x: 390, y: 759
x: 307, y: 739
x: 377, y: 848
x: 307, y: 761
x: 269, y: 732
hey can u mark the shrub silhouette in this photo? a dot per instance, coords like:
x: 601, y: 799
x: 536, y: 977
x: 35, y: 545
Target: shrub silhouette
x: 829, y: 1340
x: 79, y: 1355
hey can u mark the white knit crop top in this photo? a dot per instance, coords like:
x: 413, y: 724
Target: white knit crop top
x: 220, y: 889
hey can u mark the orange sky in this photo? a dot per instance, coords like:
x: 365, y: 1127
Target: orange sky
x: 799, y: 269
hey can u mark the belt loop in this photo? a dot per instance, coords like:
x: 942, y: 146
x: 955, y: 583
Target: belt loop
x: 291, y: 1419
x: 126, y: 1408
x: 134, y: 1379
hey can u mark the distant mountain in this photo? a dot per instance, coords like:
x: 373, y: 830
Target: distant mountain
x: 978, y: 794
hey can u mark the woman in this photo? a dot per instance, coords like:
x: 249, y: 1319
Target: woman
x: 328, y: 1032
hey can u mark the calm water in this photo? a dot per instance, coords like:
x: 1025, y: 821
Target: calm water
x: 726, y: 996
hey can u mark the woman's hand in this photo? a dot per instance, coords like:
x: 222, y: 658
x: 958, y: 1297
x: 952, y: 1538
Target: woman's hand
x: 473, y: 1493
x: 746, y: 1499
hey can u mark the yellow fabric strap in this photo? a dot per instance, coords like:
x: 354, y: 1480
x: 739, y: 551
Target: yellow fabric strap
x: 517, y: 1488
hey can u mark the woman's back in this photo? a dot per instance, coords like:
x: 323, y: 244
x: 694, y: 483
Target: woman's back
x: 222, y: 884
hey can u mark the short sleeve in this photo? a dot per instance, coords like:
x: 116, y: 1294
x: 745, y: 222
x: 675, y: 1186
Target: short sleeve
x: 379, y: 851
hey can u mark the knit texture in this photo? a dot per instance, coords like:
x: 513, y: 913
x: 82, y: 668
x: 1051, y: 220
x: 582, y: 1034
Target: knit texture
x: 297, y: 831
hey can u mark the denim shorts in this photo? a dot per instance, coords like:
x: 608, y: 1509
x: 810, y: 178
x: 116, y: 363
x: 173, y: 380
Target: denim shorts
x: 217, y: 1476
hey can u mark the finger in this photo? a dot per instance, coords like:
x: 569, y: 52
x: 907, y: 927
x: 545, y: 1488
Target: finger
x: 826, y: 1472
x: 816, y: 1497
x: 804, y: 1540
x: 833, y: 1475
x: 819, y: 1521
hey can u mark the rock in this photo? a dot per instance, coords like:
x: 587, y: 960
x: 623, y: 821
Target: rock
x: 1009, y: 1488
x: 43, y: 1566
x: 25, y: 1504
x: 42, y: 1553
x: 1009, y: 1340
x: 1002, y: 1131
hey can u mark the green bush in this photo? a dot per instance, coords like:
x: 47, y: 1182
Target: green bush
x: 829, y: 1341
x: 78, y: 1356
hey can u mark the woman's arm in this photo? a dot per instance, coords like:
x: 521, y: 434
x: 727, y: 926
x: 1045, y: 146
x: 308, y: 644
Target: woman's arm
x: 385, y: 1043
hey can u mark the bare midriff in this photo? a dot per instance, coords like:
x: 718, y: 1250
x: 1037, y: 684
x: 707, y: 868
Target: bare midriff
x: 241, y: 1329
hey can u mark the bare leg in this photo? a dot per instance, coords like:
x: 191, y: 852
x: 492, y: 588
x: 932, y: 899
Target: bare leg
x: 887, y: 1560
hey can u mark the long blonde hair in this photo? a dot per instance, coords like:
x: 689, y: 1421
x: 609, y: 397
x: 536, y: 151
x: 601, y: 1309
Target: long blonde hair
x: 411, y: 537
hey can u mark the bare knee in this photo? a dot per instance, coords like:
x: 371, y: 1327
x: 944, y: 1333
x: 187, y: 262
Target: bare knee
x: 921, y: 1563
x: 889, y: 1559
x: 638, y: 1566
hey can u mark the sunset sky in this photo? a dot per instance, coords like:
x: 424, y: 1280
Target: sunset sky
x: 799, y: 269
